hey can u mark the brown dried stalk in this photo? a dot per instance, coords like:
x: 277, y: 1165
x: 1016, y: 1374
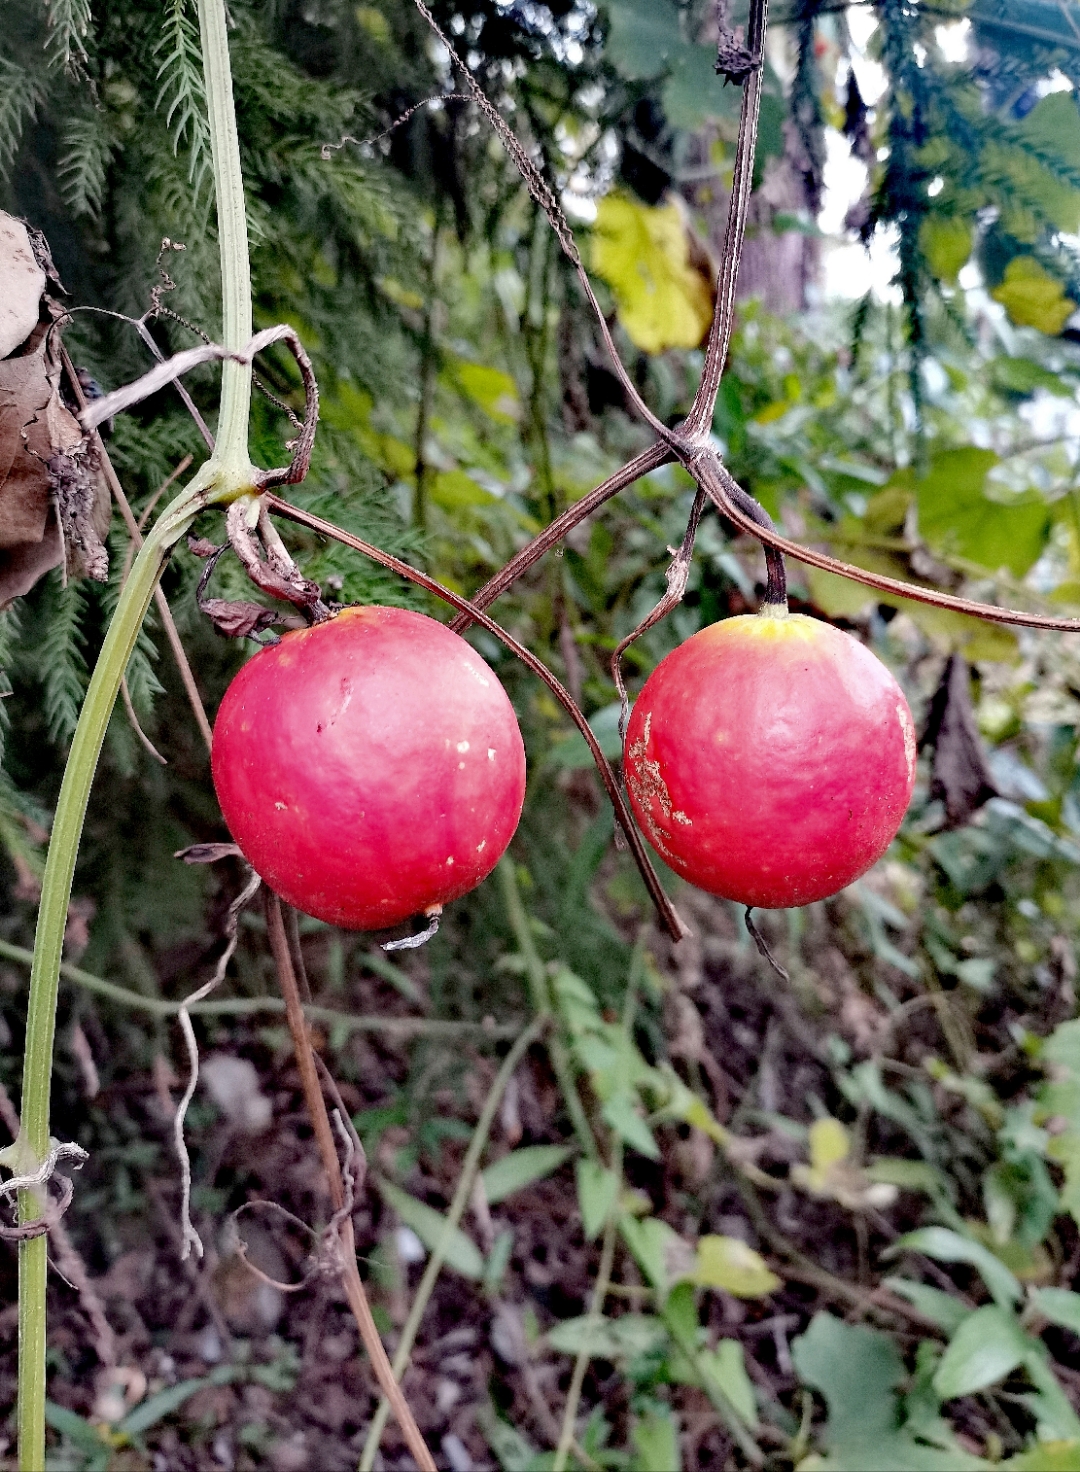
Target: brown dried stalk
x: 320, y: 1119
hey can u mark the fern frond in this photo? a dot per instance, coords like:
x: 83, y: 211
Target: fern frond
x: 182, y: 92
x: 86, y: 150
x: 69, y: 25
x: 19, y: 816
x: 21, y: 94
x: 62, y: 666
x: 10, y: 628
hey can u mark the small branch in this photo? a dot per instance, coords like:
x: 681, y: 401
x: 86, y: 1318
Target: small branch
x: 462, y: 1195
x: 648, y: 460
x: 721, y: 488
x: 677, y: 575
x: 168, y: 623
x: 666, y: 910
x: 542, y: 193
x: 316, y: 1105
x: 699, y: 420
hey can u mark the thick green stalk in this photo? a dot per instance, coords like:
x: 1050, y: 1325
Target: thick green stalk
x: 232, y: 434
x: 48, y: 949
x: 227, y: 475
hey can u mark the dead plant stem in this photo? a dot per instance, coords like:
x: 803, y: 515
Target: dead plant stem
x: 320, y: 1119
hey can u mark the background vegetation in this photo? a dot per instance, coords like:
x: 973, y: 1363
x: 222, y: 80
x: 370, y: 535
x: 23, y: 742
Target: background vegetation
x: 826, y: 1224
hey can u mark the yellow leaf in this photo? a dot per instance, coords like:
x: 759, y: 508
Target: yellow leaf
x: 829, y: 1143
x: 1032, y: 297
x: 727, y: 1263
x: 643, y: 253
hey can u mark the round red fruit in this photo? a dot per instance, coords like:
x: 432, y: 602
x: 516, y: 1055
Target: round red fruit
x: 770, y: 760
x: 370, y: 767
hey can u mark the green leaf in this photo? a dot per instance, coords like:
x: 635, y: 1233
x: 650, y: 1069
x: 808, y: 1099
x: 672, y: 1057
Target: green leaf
x: 956, y: 516
x: 1048, y: 1456
x: 608, y: 1339
x: 1032, y: 297
x: 491, y: 388
x: 653, y: 1243
x: 572, y: 752
x: 520, y: 1168
x: 1060, y: 1305
x: 452, y: 489
x: 643, y: 253
x: 77, y: 1429
x: 987, y: 1346
x: 726, y: 1366
x: 156, y: 1407
x: 461, y: 1252
x: 728, y: 1263
x: 656, y: 1442
x: 857, y: 1370
x: 1022, y: 376
x: 643, y: 35
x: 597, y: 1189
x: 934, y: 1303
x: 945, y: 1245
x: 946, y: 244
x: 693, y: 91
x: 621, y: 1113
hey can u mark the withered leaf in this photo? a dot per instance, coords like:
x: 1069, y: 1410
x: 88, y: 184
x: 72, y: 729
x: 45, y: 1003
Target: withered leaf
x: 54, y: 501
x: 959, y: 774
x: 208, y: 853
x: 22, y: 282
x: 236, y: 620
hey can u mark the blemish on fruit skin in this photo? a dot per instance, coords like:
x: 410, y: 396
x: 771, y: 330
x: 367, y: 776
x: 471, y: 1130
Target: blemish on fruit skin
x: 463, y: 746
x: 481, y: 846
x: 647, y: 784
x: 461, y: 766
x: 282, y: 807
x: 491, y: 753
x: 908, y: 729
x: 449, y: 862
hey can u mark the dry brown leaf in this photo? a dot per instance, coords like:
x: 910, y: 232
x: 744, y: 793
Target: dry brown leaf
x: 959, y: 775
x: 54, y: 501
x: 22, y: 282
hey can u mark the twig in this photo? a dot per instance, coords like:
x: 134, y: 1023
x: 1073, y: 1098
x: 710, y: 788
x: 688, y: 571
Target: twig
x: 677, y: 575
x: 320, y: 1120
x: 641, y: 465
x: 462, y: 1194
x: 699, y: 420
x: 168, y: 623
x: 720, y: 487
x: 133, y: 722
x: 250, y: 1006
x: 544, y: 196
x: 673, y: 924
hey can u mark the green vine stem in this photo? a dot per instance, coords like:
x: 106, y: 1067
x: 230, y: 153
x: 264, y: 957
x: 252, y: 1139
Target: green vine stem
x: 227, y: 475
